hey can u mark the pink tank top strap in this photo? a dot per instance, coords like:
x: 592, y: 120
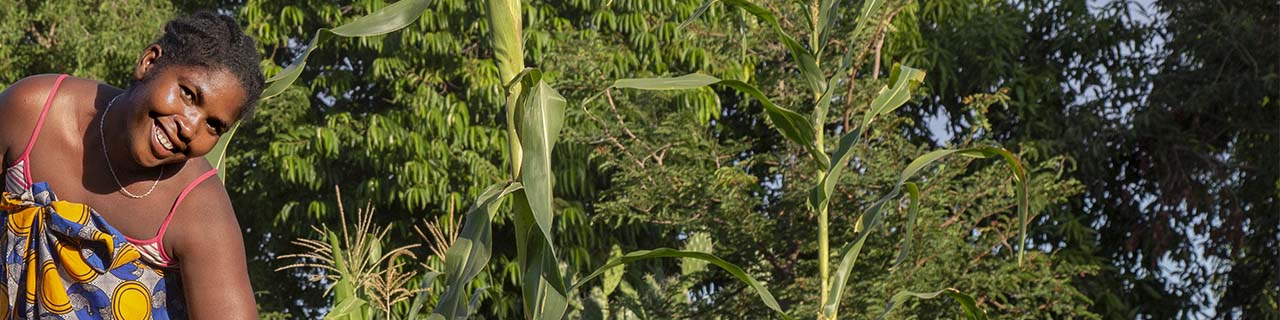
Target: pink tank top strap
x: 26, y: 153
x: 155, y: 245
x: 165, y: 226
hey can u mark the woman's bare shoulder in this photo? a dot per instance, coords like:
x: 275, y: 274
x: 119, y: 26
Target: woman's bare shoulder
x: 20, y: 103
x: 205, y: 213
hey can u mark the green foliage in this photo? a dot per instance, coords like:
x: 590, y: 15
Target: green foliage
x: 91, y: 39
x: 409, y: 121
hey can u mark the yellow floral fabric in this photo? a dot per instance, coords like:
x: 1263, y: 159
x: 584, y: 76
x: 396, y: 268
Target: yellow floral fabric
x: 63, y: 261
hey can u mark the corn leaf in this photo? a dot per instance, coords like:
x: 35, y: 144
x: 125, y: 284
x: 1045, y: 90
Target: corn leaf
x: 826, y: 13
x: 792, y: 125
x: 541, y: 118
x: 388, y: 19
x: 902, y: 81
x: 913, y: 192
x: 217, y: 156
x: 802, y: 56
x: 685, y: 82
x: 1020, y: 177
x: 420, y: 299
x: 821, y: 195
x: 351, y: 308
x: 471, y: 252
x: 848, y: 256
x: 967, y: 303
x: 613, y: 276
x: 347, y: 304
x: 733, y: 270
x: 864, y: 16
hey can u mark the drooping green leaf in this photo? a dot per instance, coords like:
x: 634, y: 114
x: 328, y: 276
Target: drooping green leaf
x: 544, y: 293
x: 281, y: 81
x: 541, y: 118
x: 821, y: 194
x: 388, y: 19
x: 217, y: 156
x: 902, y: 81
x: 1021, y: 179
x: 913, y: 192
x: 393, y: 17
x: 849, y: 256
x: 471, y: 252
x: 967, y: 303
x: 822, y: 28
x: 792, y: 125
x: 697, y: 13
x: 733, y: 270
x: 802, y: 56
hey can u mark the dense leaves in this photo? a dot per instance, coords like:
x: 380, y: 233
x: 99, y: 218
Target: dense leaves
x: 1147, y: 132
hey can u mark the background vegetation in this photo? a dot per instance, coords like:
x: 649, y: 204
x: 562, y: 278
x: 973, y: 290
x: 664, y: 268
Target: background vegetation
x: 1148, y: 129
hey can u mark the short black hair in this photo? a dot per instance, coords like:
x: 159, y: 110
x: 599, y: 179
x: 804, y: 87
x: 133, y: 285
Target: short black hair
x: 212, y: 40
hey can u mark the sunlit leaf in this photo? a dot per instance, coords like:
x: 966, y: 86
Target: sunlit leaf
x: 902, y: 80
x: 539, y: 119
x: 613, y: 276
x: 217, y: 156
x: 388, y: 19
x: 685, y: 82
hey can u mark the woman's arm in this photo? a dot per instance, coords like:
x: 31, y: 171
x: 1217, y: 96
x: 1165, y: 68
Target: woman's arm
x: 209, y: 249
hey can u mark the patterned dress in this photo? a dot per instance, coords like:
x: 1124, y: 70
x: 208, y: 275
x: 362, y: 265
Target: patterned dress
x: 63, y: 261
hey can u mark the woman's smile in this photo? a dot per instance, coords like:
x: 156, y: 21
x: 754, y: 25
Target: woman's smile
x: 163, y: 140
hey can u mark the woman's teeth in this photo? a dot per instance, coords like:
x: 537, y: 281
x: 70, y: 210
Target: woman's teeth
x: 164, y: 141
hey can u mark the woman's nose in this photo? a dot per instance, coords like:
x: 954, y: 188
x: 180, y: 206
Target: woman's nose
x: 189, y: 122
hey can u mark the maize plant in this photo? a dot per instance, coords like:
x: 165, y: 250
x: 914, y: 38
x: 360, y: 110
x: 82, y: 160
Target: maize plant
x: 808, y: 132
x: 535, y: 112
x: 534, y: 116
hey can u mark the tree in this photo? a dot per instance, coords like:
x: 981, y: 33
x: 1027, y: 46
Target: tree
x: 1164, y: 114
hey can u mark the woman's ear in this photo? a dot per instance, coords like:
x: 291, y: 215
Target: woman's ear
x: 147, y: 61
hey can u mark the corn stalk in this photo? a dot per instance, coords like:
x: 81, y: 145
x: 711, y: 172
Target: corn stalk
x: 809, y: 134
x: 535, y: 113
x: 534, y: 119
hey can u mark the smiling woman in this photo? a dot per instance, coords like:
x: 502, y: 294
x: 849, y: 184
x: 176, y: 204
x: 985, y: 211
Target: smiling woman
x: 147, y: 233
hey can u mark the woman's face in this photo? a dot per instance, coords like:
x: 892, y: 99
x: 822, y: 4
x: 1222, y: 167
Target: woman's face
x: 178, y: 111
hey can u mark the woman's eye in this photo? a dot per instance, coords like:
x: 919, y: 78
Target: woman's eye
x: 215, y: 125
x: 186, y: 93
